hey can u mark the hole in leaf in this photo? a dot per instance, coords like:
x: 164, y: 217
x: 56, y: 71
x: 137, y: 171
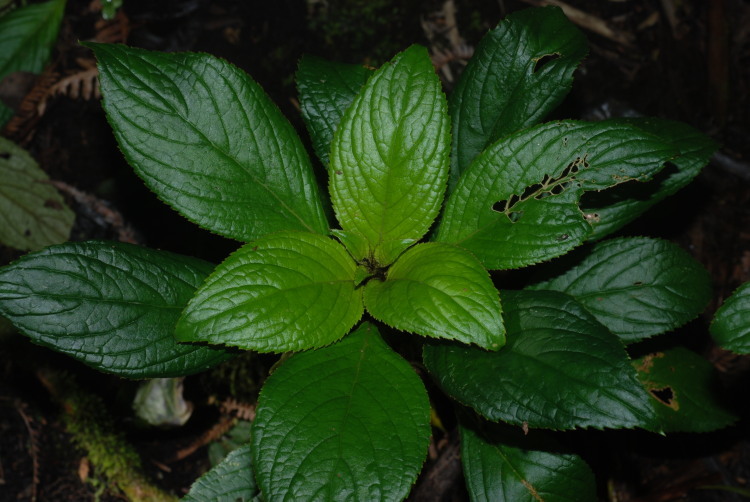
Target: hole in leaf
x: 540, y: 62
x: 4, y: 155
x: 514, y: 216
x: 52, y: 204
x: 27, y: 232
x: 638, y: 283
x: 665, y: 396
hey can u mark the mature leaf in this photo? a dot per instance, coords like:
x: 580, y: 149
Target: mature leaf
x: 27, y: 35
x: 520, y: 72
x: 32, y: 213
x: 286, y: 291
x: 326, y: 89
x: 616, y: 207
x: 346, y: 422
x: 517, y: 204
x: 636, y: 286
x: 111, y: 305
x: 206, y: 138
x: 560, y: 369
x: 731, y: 324
x: 230, y: 481
x: 440, y: 291
x: 389, y: 156
x: 683, y: 391
x: 508, y: 469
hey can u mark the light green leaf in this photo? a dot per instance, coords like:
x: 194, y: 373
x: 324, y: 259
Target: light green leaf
x: 517, y: 204
x: 502, y: 467
x: 520, y: 72
x: 111, y: 305
x: 621, y: 204
x: 286, y: 291
x: 27, y: 35
x: 326, y: 89
x: 389, y: 157
x: 638, y: 287
x: 440, y: 291
x: 731, y: 324
x: 230, y: 481
x: 346, y: 422
x: 560, y: 369
x: 683, y: 390
x: 206, y: 138
x: 32, y: 212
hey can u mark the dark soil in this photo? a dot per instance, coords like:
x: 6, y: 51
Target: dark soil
x: 693, y: 67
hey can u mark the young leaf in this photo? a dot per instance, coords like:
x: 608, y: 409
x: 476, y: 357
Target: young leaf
x: 621, y: 204
x: 286, y: 291
x: 206, y: 138
x: 440, y: 291
x: 560, y: 369
x: 230, y: 481
x: 520, y: 72
x: 326, y: 89
x: 111, y: 305
x: 517, y: 204
x: 346, y: 422
x: 636, y: 286
x: 516, y: 471
x: 683, y: 391
x: 731, y: 324
x: 32, y: 213
x: 389, y: 157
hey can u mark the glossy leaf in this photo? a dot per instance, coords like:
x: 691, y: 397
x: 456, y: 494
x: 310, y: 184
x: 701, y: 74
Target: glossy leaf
x: 230, y: 481
x: 511, y: 469
x: 637, y: 287
x: 111, y: 305
x: 206, y: 138
x: 346, y: 422
x: 731, y: 324
x: 684, y: 391
x: 620, y: 205
x: 520, y: 72
x: 287, y: 291
x: 439, y: 291
x: 560, y: 369
x: 326, y: 89
x: 517, y: 204
x: 389, y: 157
x: 32, y: 212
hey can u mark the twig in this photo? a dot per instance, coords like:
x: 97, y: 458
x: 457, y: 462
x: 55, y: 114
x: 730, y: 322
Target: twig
x: 219, y: 429
x: 33, y: 450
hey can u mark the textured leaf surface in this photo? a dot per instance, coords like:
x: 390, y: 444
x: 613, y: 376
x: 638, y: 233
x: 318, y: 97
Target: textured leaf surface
x: 346, y: 422
x: 560, y: 369
x: 520, y: 72
x: 230, y: 481
x: 731, y: 324
x: 517, y: 204
x: 517, y: 472
x: 27, y: 35
x: 32, y: 213
x: 440, y: 291
x: 287, y: 291
x: 637, y: 287
x: 326, y: 89
x: 111, y: 305
x: 389, y: 157
x: 205, y: 137
x: 622, y: 204
x: 683, y: 388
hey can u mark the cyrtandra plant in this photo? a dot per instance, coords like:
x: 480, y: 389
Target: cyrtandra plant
x: 428, y: 196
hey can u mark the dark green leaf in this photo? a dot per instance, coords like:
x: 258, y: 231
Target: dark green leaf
x: 731, y: 325
x: 111, y: 305
x: 326, y: 89
x: 637, y: 287
x: 206, y: 138
x: 560, y: 369
x: 389, y: 157
x: 517, y: 204
x: 684, y: 391
x: 27, y: 35
x: 440, y: 291
x: 346, y: 422
x: 520, y: 72
x: 230, y: 481
x: 286, y: 291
